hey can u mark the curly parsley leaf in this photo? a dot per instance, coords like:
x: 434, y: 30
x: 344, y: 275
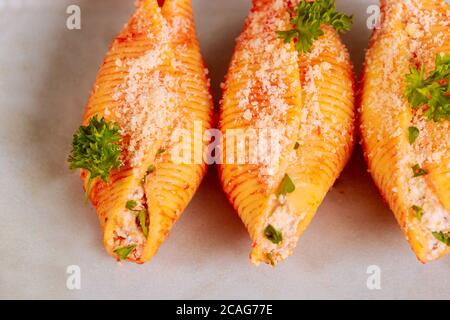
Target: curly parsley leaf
x: 96, y: 149
x: 433, y: 93
x: 307, y: 20
x: 273, y: 234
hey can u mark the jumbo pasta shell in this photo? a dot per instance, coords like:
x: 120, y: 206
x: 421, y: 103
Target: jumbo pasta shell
x: 308, y: 101
x: 411, y: 34
x: 152, y: 83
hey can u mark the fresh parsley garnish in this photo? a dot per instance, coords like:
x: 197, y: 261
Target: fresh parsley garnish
x: 141, y: 217
x: 124, y: 252
x: 160, y: 151
x: 151, y: 168
x: 131, y: 204
x: 433, y: 93
x: 413, y: 134
x: 286, y: 186
x: 273, y: 234
x: 418, y: 171
x: 307, y: 20
x: 419, y: 212
x: 96, y: 149
x: 142, y: 221
x: 442, y: 237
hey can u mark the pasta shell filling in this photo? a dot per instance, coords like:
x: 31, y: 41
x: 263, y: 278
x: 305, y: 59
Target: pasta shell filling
x: 132, y: 227
x: 279, y: 233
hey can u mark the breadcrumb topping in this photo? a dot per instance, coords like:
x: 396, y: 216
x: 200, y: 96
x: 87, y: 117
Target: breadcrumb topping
x: 263, y: 68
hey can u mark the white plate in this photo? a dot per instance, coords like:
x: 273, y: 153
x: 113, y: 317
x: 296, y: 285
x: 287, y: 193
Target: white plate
x: 46, y: 74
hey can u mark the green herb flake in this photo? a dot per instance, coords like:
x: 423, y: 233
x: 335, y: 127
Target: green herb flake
x: 151, y: 169
x: 160, y: 151
x: 307, y: 21
x: 443, y: 237
x: 431, y: 94
x: 131, y: 205
x: 286, y: 186
x: 270, y: 258
x: 142, y: 221
x: 418, y: 171
x: 96, y: 149
x: 297, y: 145
x: 124, y: 252
x: 419, y: 212
x: 273, y: 234
x: 413, y: 134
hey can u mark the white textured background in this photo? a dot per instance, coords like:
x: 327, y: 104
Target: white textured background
x: 46, y: 73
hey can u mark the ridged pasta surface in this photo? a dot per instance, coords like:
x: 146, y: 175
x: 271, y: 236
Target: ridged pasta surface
x: 308, y: 102
x: 153, y: 84
x: 411, y: 34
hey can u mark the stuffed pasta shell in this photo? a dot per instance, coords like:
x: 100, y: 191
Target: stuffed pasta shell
x: 405, y: 113
x: 287, y: 117
x: 151, y: 84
